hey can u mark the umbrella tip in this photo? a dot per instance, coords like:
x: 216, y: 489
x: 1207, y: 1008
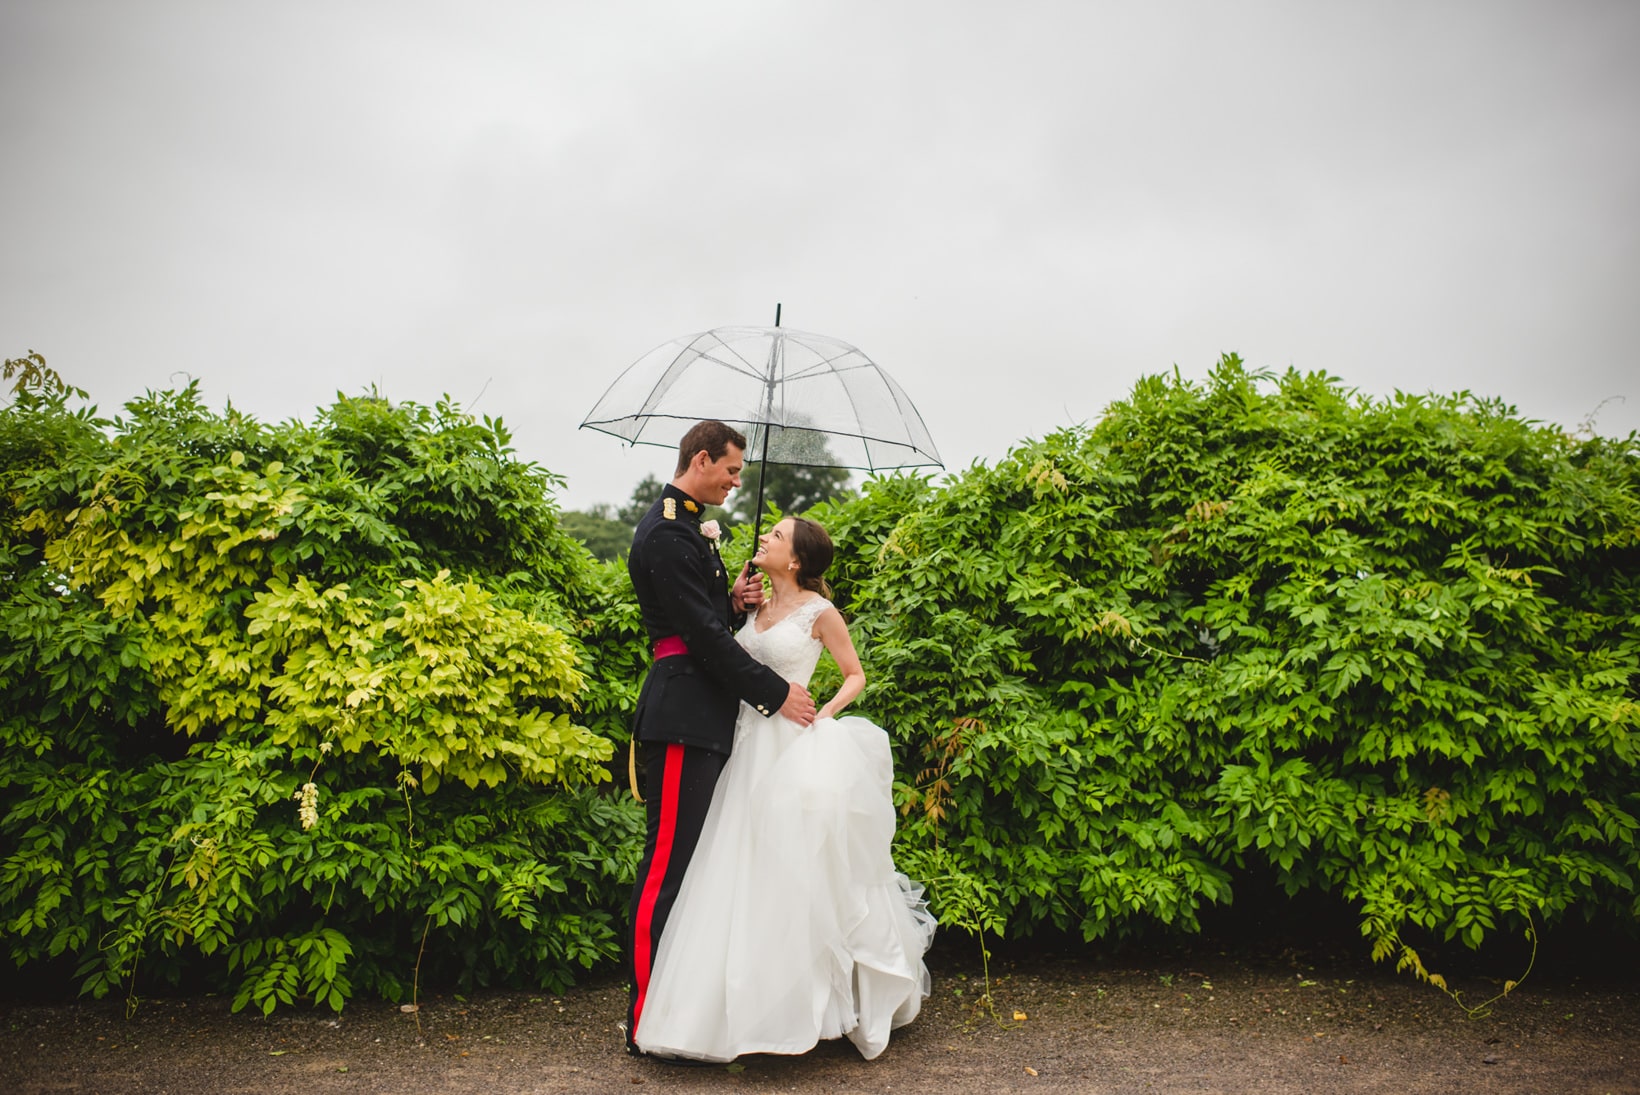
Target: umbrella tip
x: 777, y: 313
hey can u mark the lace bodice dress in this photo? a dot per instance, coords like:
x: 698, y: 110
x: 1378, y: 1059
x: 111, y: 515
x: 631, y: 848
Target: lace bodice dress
x: 792, y: 924
x: 788, y: 646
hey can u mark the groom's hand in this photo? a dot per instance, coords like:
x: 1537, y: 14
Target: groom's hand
x: 798, y: 706
x: 747, y: 593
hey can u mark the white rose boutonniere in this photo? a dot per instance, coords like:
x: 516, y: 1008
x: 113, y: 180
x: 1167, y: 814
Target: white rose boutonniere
x: 710, y: 530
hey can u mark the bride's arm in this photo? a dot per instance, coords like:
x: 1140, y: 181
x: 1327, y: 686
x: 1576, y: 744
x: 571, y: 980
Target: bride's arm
x: 833, y: 632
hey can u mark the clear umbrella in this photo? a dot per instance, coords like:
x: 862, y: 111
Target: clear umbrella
x: 799, y: 398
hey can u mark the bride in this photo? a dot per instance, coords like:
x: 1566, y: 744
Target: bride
x: 792, y: 924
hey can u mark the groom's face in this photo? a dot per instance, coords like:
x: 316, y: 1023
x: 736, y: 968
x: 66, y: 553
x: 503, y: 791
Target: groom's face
x: 722, y: 476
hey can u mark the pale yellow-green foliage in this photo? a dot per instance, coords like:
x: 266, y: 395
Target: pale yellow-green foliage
x: 429, y: 678
x: 429, y: 674
x: 176, y: 584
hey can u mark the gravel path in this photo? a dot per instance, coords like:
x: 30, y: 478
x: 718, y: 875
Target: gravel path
x: 1063, y: 1021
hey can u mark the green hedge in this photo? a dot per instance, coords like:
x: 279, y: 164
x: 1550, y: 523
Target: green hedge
x: 304, y: 710
x: 1384, y: 649
x: 300, y: 710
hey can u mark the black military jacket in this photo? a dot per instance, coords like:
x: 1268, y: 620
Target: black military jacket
x: 683, y: 591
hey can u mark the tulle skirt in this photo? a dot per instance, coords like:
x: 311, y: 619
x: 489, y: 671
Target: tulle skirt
x: 792, y: 925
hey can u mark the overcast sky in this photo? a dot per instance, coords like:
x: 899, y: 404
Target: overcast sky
x: 1016, y: 209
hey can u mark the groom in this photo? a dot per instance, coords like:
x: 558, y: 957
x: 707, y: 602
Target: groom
x: 686, y: 711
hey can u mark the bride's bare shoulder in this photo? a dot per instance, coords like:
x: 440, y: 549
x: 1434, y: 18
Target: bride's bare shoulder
x: 826, y: 616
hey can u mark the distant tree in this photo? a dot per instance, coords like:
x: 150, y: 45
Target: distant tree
x: 605, y: 533
x: 792, y: 488
x: 643, y: 496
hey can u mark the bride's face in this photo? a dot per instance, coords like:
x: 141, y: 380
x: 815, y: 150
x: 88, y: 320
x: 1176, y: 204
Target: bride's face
x: 774, y: 551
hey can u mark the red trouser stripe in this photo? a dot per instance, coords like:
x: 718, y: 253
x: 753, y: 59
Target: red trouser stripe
x: 642, y: 948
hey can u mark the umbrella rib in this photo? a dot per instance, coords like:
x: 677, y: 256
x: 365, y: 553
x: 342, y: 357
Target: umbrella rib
x: 854, y: 409
x: 829, y: 363
x: 748, y: 368
x: 745, y: 368
x: 692, y: 347
x: 832, y: 432
x: 828, y: 367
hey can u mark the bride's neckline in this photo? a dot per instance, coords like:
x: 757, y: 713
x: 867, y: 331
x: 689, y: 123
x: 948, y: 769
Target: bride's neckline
x: 757, y: 621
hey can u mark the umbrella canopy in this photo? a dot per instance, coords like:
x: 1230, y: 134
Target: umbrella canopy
x: 799, y: 398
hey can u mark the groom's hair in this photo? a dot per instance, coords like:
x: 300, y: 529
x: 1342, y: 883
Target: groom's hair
x: 711, y: 437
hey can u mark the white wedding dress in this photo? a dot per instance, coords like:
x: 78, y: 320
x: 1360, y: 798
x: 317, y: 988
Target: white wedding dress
x: 792, y: 924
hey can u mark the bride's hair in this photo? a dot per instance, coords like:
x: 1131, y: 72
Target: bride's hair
x: 813, y: 551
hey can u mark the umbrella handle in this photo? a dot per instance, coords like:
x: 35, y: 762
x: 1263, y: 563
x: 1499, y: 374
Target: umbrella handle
x: 746, y: 571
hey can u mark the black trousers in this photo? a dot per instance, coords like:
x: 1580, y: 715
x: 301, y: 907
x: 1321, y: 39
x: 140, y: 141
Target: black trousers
x: 678, y: 784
